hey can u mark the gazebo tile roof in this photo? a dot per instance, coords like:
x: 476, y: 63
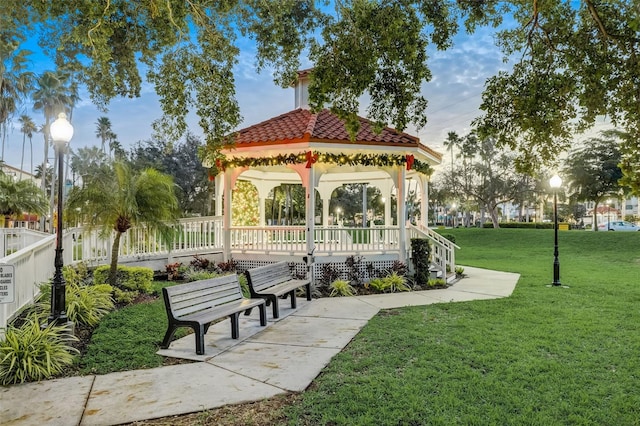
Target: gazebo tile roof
x: 302, y: 125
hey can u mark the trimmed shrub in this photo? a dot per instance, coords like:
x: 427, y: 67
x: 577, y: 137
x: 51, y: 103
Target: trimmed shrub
x: 130, y: 281
x: 450, y: 237
x: 128, y: 277
x: 523, y: 225
x: 421, y: 257
x: 32, y: 353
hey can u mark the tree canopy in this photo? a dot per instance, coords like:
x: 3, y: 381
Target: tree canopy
x: 593, y: 170
x: 575, y: 61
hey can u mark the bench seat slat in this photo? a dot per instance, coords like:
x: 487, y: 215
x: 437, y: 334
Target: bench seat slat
x: 215, y: 299
x: 220, y: 311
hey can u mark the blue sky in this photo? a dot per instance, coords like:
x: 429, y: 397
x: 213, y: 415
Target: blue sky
x: 454, y: 96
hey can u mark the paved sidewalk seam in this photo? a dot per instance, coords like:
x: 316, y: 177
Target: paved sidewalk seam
x: 86, y: 400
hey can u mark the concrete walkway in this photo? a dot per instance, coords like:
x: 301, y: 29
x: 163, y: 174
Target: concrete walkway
x: 283, y: 357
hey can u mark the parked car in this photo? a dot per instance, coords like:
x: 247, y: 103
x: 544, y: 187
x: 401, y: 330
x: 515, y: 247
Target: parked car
x: 618, y: 225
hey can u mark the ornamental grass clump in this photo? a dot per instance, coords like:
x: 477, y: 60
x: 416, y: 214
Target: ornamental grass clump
x: 390, y: 284
x: 32, y: 353
x: 341, y: 288
x: 85, y: 304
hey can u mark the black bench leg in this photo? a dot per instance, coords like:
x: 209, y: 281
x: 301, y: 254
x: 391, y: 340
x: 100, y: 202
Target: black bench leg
x: 292, y: 294
x: 274, y: 303
x: 308, y: 287
x: 235, y: 327
x: 167, y: 337
x: 263, y: 314
x: 248, y: 312
x: 199, y: 333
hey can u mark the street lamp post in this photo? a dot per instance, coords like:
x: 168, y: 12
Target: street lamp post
x: 555, y: 182
x: 61, y: 133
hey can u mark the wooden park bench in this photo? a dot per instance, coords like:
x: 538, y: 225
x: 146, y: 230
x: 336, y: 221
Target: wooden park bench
x: 197, y: 304
x: 273, y: 281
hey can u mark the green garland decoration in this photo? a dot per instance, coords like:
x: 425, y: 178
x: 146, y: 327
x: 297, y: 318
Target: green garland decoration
x: 381, y: 160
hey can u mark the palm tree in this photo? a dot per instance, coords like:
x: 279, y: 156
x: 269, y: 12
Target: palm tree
x: 103, y: 131
x: 119, y: 198
x: 20, y: 196
x: 28, y: 128
x: 52, y: 96
x: 15, y: 83
x: 88, y: 161
x: 38, y: 174
x: 453, y: 141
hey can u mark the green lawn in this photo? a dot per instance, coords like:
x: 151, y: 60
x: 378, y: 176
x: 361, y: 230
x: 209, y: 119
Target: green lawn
x: 544, y: 356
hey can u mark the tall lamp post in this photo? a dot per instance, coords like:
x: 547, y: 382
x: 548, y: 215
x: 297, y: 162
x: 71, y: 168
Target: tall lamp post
x: 61, y: 133
x: 555, y: 182
x: 609, y: 214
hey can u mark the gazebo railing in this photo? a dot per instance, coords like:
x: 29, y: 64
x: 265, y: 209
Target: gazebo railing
x: 329, y: 239
x: 190, y: 234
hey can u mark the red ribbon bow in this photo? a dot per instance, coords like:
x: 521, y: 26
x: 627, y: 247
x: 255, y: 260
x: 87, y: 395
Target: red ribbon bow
x: 311, y: 158
x: 219, y: 165
x: 410, y: 160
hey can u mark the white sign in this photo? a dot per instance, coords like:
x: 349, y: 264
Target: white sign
x: 7, y: 283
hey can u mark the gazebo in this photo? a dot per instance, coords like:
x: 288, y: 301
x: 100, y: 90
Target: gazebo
x: 315, y: 150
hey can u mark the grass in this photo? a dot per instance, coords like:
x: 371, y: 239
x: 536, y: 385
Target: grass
x: 127, y: 339
x: 542, y: 356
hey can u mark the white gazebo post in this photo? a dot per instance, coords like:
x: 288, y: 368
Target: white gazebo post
x: 325, y: 195
x: 219, y: 187
x: 230, y: 177
x: 424, y: 202
x: 385, y: 189
x: 226, y: 218
x: 263, y: 189
x: 402, y: 213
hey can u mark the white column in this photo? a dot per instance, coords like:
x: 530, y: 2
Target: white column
x: 402, y: 213
x: 424, y: 204
x: 219, y: 185
x: 226, y: 219
x: 311, y: 210
x: 261, y: 220
x: 325, y: 211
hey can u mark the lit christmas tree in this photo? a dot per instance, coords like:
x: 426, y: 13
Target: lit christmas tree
x: 244, y: 205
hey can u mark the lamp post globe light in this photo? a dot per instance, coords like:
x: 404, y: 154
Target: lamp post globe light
x: 61, y: 133
x: 555, y: 183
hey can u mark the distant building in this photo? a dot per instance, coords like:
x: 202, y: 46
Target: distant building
x: 18, y: 174
x: 25, y: 220
x: 616, y: 210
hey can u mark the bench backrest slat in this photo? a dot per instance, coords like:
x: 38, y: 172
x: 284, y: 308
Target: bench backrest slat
x: 267, y: 276
x: 201, y: 295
